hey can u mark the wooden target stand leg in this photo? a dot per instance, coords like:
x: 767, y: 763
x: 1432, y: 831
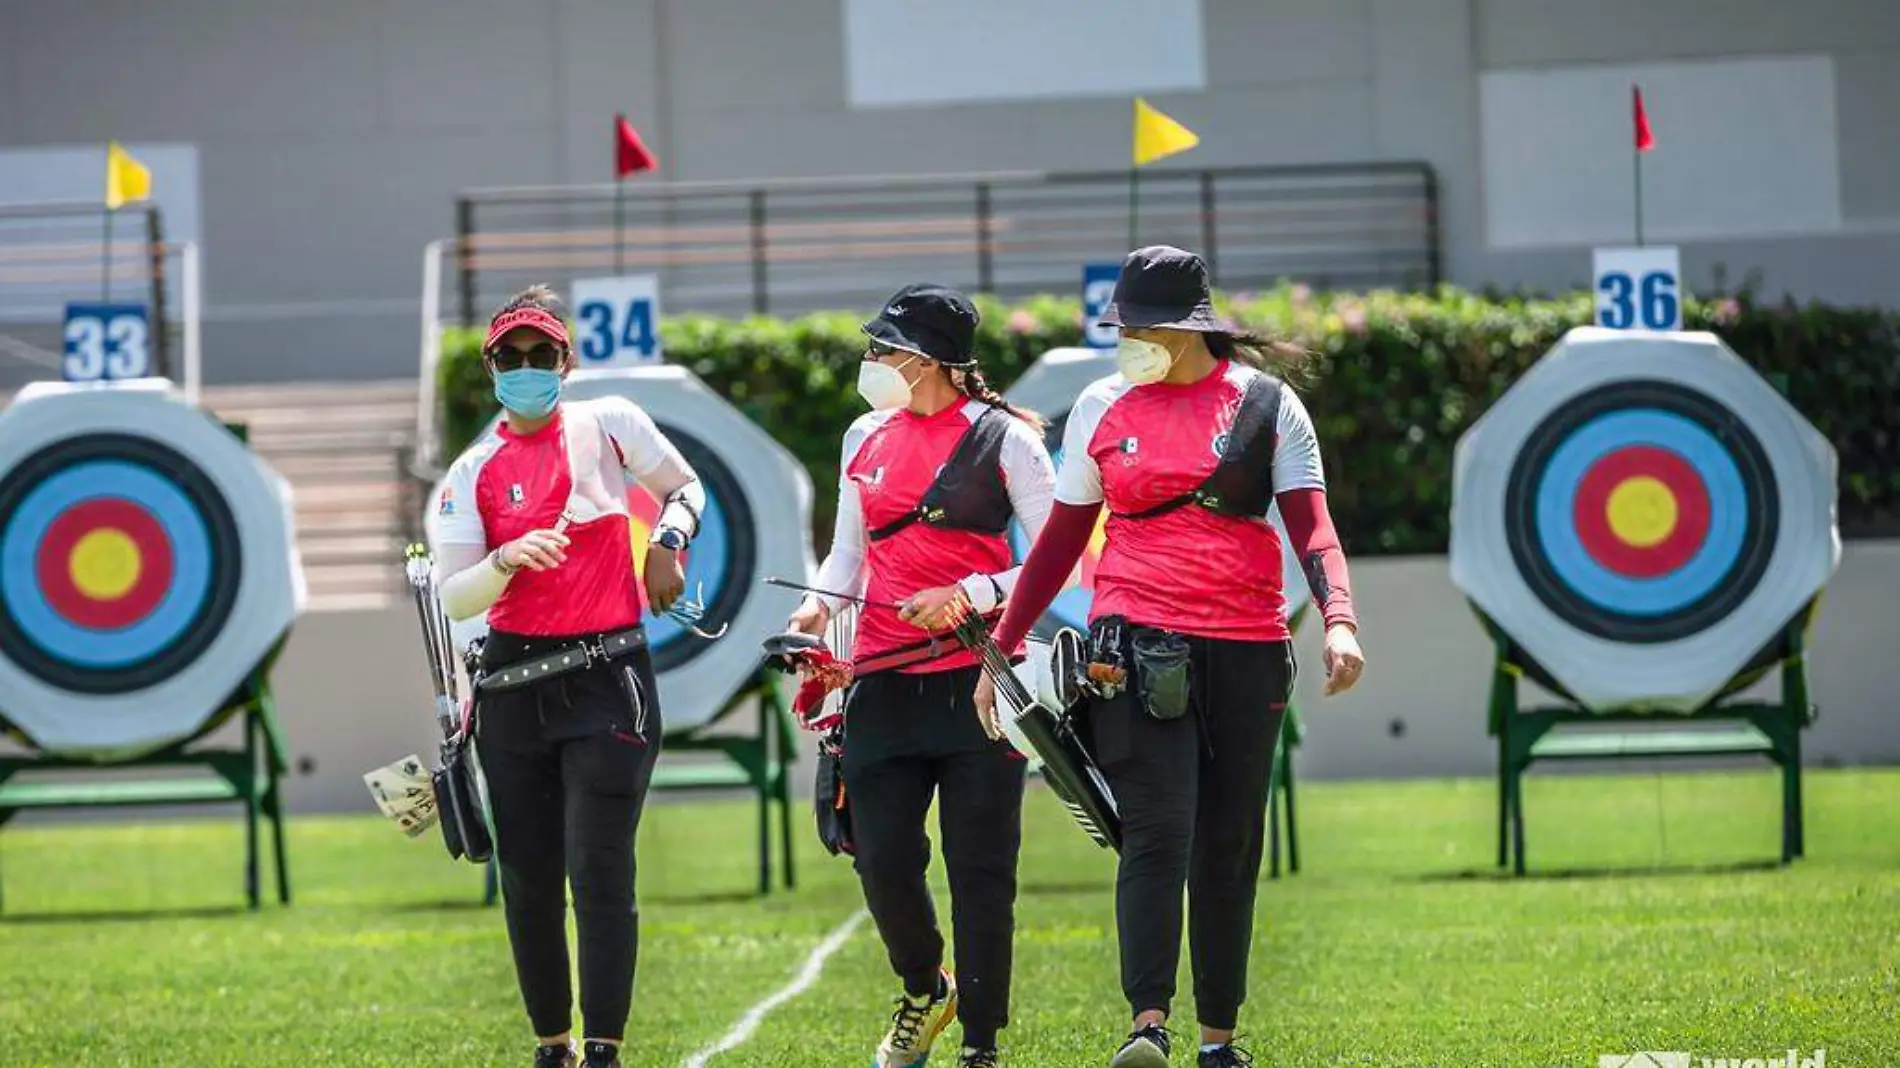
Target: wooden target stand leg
x: 761, y: 763
x: 251, y: 774
x: 1768, y: 729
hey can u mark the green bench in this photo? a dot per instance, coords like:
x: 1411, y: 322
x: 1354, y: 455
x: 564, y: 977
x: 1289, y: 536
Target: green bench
x: 1770, y: 729
x: 250, y: 774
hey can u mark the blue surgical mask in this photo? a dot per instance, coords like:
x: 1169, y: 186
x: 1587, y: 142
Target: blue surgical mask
x: 528, y: 391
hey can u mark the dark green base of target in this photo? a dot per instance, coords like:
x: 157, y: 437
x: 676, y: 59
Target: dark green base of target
x: 251, y: 774
x: 1752, y: 728
x: 760, y: 763
x: 1280, y: 794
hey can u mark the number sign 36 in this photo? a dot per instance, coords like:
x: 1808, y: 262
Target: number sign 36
x: 1639, y: 288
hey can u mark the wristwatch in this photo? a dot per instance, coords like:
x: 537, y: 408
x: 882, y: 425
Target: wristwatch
x: 670, y: 539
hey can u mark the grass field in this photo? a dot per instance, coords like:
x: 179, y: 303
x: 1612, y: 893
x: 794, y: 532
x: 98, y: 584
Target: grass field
x: 1654, y: 919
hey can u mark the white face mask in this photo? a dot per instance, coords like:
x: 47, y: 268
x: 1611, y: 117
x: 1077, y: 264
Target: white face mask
x: 1142, y: 361
x: 883, y: 386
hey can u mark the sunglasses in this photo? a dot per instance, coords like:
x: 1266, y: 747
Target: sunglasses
x: 542, y: 357
x: 877, y: 350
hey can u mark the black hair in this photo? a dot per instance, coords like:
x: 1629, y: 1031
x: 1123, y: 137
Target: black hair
x: 971, y: 381
x: 1289, y: 362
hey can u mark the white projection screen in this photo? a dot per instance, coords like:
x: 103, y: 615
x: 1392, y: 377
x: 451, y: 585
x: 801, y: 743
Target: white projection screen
x: 913, y: 52
x: 1745, y: 147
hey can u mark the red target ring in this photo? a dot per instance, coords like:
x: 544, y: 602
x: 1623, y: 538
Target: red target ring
x: 1642, y: 511
x: 105, y: 563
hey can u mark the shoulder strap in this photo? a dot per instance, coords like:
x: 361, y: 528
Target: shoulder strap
x: 1244, y: 475
x: 587, y: 496
x: 976, y: 454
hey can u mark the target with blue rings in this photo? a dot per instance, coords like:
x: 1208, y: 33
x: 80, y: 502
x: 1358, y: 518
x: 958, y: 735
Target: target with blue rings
x: 720, y: 562
x: 1642, y: 511
x: 119, y: 563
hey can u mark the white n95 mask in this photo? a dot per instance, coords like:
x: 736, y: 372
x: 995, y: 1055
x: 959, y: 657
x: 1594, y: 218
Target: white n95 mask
x: 1142, y: 361
x: 883, y: 386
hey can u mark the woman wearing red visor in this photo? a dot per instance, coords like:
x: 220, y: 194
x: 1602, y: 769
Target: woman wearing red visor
x: 931, y: 479
x: 533, y: 528
x: 1187, y: 447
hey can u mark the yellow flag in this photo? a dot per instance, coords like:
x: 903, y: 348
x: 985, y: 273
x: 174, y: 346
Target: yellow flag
x: 127, y: 179
x: 1157, y: 135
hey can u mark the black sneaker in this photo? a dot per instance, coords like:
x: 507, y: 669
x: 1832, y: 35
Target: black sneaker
x: 1227, y: 1056
x: 1147, y: 1047
x: 602, y: 1055
x: 978, y: 1058
x: 562, y: 1056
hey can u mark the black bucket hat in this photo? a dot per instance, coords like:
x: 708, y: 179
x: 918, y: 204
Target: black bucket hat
x: 1163, y: 286
x: 930, y: 320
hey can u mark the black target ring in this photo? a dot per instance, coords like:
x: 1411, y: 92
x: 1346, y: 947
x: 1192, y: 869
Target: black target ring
x: 737, y: 558
x: 1737, y: 481
x: 134, y: 472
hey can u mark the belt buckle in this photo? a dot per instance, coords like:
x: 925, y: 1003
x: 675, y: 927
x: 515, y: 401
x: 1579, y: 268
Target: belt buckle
x: 597, y: 650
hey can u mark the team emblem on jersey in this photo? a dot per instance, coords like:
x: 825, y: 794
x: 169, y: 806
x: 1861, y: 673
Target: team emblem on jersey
x: 515, y: 495
x: 1220, y: 443
x: 447, y: 506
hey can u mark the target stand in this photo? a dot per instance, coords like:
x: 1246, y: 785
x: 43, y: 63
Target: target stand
x: 148, y: 579
x: 1752, y: 728
x: 251, y: 774
x: 1050, y: 388
x: 1644, y: 527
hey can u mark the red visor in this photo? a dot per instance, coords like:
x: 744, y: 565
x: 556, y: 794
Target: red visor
x: 532, y: 318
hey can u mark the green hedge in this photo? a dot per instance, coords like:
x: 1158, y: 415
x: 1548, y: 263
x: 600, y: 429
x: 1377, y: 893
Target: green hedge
x: 1399, y: 377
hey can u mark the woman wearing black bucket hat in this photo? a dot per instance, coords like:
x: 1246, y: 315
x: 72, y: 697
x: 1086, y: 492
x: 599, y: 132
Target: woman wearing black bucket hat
x: 1187, y: 447
x: 930, y: 480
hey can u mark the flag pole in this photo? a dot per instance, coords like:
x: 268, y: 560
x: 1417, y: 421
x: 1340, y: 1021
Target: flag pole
x: 105, y: 259
x: 1639, y: 197
x: 620, y: 192
x: 1134, y: 203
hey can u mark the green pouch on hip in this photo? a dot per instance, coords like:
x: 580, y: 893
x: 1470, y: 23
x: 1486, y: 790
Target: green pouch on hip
x: 1161, y: 664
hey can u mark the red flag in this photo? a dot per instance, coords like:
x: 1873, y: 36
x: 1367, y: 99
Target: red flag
x: 1644, y: 139
x: 631, y: 155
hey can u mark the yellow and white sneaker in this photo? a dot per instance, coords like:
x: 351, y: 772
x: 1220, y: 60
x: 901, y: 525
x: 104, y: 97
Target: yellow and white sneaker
x: 915, y: 1026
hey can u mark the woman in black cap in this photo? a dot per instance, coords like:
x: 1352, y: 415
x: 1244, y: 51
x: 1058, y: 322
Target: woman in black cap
x: 930, y: 480
x: 1187, y: 447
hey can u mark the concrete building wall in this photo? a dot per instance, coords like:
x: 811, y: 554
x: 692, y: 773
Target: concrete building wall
x: 332, y: 137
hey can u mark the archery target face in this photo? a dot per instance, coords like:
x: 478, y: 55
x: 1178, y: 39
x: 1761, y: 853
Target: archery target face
x: 1642, y: 514
x: 752, y: 486
x: 1050, y: 388
x: 140, y: 544
x: 119, y: 563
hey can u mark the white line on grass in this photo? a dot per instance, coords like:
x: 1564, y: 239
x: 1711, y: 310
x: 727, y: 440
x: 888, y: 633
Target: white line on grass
x: 807, y: 975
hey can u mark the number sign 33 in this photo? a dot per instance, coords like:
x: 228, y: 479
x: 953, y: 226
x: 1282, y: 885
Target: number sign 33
x: 1638, y: 288
x: 617, y: 321
x: 106, y: 342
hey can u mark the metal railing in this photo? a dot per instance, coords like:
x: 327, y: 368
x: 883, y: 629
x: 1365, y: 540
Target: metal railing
x: 55, y: 253
x: 794, y: 246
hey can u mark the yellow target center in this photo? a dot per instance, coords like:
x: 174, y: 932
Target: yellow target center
x: 1642, y: 511
x: 105, y: 564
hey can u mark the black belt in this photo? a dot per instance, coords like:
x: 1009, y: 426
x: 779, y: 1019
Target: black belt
x: 583, y: 654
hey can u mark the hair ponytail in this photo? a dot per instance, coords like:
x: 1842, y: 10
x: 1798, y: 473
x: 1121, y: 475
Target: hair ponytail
x: 976, y: 387
x: 1283, y: 359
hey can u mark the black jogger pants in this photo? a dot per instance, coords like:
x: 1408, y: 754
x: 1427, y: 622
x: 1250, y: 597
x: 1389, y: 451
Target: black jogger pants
x: 567, y: 762
x: 1193, y: 799
x: 909, y: 738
